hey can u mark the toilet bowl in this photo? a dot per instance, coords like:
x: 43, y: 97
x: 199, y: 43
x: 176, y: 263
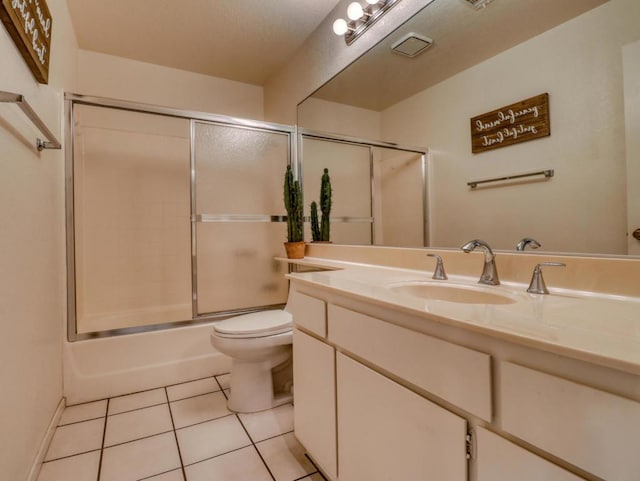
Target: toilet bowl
x: 259, y: 345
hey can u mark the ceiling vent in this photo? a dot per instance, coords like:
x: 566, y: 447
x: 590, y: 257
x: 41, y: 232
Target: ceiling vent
x: 478, y: 4
x: 412, y: 44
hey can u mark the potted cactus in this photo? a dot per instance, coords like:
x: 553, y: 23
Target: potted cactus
x: 320, y: 231
x: 293, y: 205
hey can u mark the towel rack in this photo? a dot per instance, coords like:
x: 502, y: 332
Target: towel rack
x: 51, y: 142
x: 547, y: 173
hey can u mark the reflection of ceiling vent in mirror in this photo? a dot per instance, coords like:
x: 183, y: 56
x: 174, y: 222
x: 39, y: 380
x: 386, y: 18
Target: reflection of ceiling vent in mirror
x: 412, y: 44
x: 478, y: 4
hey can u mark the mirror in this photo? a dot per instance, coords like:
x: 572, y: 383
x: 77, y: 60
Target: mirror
x: 584, y: 53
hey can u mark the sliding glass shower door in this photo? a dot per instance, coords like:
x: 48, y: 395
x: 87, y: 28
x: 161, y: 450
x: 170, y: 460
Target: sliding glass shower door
x: 173, y: 217
x: 237, y: 225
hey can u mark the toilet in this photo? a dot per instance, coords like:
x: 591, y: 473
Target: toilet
x: 259, y: 345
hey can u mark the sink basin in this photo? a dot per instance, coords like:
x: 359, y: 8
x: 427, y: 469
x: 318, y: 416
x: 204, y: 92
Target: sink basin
x: 452, y: 293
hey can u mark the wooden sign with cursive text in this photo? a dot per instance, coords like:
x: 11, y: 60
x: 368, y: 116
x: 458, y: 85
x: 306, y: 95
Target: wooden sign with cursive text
x: 29, y: 24
x: 519, y: 122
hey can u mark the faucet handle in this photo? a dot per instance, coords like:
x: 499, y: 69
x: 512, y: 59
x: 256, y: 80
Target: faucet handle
x: 438, y: 273
x: 537, y: 285
x: 527, y: 241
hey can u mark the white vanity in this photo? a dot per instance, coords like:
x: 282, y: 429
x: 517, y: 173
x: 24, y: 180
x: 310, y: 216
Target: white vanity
x: 394, y: 386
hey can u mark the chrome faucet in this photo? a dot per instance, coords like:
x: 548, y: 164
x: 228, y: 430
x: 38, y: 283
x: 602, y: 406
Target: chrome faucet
x: 527, y: 241
x: 489, y: 271
x: 537, y: 285
x: 438, y: 272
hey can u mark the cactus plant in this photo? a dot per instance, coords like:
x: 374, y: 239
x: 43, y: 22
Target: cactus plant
x: 325, y: 206
x: 293, y: 205
x: 315, y: 225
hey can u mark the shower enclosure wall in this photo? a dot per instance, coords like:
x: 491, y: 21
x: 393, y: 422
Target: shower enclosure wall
x: 173, y: 217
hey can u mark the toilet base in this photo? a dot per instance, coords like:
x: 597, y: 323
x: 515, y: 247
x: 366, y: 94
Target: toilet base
x: 252, y: 384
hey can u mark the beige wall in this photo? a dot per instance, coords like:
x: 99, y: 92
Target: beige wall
x: 332, y: 117
x: 120, y: 78
x: 322, y: 56
x: 32, y: 306
x: 583, y: 207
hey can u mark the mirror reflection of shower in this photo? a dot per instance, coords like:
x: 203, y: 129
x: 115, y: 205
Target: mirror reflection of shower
x: 379, y: 191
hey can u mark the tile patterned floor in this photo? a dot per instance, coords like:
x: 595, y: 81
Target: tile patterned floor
x: 177, y: 433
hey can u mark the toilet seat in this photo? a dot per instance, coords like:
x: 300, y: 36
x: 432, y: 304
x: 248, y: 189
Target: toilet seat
x: 257, y: 324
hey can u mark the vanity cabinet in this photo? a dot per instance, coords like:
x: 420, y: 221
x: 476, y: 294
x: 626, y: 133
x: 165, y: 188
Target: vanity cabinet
x: 382, y: 394
x: 386, y: 432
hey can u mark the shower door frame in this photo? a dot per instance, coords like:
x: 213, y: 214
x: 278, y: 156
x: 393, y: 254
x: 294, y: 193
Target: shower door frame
x: 70, y: 100
x: 371, y: 144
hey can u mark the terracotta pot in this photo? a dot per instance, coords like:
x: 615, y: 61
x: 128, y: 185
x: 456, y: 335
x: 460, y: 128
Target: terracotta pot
x: 295, y: 250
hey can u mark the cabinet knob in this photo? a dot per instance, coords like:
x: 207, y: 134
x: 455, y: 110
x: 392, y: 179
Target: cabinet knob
x: 636, y: 234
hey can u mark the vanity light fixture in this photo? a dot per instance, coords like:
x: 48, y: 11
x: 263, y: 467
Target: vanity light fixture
x: 361, y: 18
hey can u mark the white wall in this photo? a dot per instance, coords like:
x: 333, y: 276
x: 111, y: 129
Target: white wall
x: 121, y: 78
x: 582, y: 208
x: 32, y: 252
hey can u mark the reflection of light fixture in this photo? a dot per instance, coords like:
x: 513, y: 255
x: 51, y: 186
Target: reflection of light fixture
x: 478, y: 4
x: 361, y: 18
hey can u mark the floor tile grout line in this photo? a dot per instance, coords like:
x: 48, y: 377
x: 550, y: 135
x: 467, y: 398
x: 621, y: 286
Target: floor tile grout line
x: 307, y: 475
x: 194, y: 380
x: 315, y: 466
x: 152, y: 389
x: 159, y: 474
x: 273, y: 437
x: 219, y: 384
x: 70, y: 456
x: 194, y: 395
x: 175, y: 436
x: 256, y: 448
x: 205, y: 421
x: 82, y: 421
x: 218, y: 455
x: 138, y: 439
x: 104, y: 435
x: 136, y: 409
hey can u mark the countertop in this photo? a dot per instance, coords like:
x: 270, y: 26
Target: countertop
x: 598, y: 328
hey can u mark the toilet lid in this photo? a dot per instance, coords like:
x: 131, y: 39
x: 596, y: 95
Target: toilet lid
x: 256, y: 324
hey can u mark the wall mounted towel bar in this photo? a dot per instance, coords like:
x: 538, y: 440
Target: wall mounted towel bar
x: 547, y: 173
x: 51, y: 142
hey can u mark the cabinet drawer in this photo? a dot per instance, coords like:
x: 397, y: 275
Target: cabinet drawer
x: 592, y: 429
x: 456, y: 374
x: 308, y: 312
x: 501, y: 460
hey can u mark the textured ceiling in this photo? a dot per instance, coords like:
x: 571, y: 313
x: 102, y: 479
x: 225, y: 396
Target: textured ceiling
x: 462, y: 37
x: 243, y: 40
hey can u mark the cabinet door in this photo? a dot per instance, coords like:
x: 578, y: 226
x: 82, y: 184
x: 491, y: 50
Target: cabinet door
x: 501, y: 460
x: 314, y: 408
x: 388, y: 433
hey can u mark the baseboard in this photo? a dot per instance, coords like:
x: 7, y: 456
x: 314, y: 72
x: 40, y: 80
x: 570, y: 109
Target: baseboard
x: 46, y: 440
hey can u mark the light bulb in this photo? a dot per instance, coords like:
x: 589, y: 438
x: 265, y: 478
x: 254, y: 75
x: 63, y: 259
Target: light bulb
x: 355, y: 11
x: 340, y: 26
x: 372, y: 2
